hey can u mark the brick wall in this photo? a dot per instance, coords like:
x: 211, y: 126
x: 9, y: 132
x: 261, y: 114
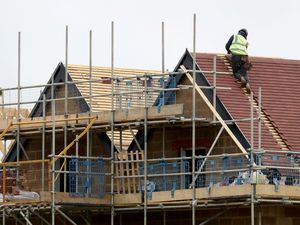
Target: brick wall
x: 186, y: 97
x: 31, y: 173
x: 73, y: 104
x: 177, y: 138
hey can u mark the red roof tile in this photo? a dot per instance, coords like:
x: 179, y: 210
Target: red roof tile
x: 279, y: 80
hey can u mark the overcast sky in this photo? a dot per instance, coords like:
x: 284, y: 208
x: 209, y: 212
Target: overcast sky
x: 273, y: 32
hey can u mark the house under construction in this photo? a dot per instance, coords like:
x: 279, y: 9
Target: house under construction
x: 104, y: 145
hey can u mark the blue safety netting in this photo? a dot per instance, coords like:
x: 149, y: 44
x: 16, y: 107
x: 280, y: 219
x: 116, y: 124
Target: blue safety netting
x: 166, y: 97
x: 168, y: 178
x: 87, y: 178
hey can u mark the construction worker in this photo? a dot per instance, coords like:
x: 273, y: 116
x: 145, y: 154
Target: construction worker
x: 237, y: 46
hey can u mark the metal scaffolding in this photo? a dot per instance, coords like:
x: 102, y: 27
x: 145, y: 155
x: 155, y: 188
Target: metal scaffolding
x: 169, y: 172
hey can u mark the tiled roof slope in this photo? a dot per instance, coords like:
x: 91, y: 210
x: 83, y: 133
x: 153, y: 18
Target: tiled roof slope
x: 126, y: 84
x: 279, y: 80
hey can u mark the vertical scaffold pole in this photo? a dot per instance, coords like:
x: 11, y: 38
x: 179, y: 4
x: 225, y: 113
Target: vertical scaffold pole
x: 163, y: 71
x: 163, y: 47
x: 88, y: 137
x: 215, y: 86
x: 2, y: 108
x: 252, y: 159
x: 66, y: 105
x: 194, y: 123
x: 18, y: 107
x: 251, y: 125
x: 88, y: 134
x: 259, y: 122
x: 90, y: 70
x: 3, y: 117
x: 3, y: 217
x: 112, y: 124
x: 53, y: 153
x: 145, y: 149
x: 77, y: 157
x: 145, y: 152
x: 43, y: 142
x: 66, y: 71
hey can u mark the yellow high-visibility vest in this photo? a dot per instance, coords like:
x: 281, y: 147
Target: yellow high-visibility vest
x: 239, y: 45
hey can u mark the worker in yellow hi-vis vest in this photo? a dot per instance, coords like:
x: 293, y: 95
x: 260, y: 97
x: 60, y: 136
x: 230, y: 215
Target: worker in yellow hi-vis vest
x: 237, y: 46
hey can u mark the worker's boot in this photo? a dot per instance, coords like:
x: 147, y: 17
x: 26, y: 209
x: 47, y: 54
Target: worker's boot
x: 243, y: 81
x: 248, y: 88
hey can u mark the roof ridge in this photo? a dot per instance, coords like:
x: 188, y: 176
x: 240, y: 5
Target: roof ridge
x: 253, y: 56
x: 78, y: 66
x: 264, y: 116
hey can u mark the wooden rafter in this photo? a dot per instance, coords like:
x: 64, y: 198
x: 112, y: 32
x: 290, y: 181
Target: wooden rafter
x: 214, y: 111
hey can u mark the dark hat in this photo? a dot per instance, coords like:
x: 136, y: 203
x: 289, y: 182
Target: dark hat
x: 243, y: 32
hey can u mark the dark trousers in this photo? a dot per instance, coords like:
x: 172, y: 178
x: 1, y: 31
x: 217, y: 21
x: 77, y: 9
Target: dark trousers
x: 238, y: 67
